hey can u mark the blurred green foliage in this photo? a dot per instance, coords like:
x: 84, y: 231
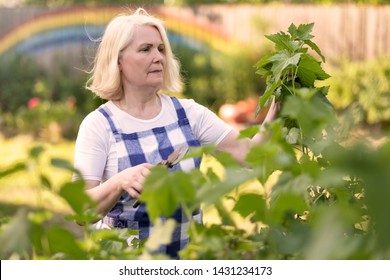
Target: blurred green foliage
x: 363, y: 86
x: 32, y: 97
x: 213, y: 78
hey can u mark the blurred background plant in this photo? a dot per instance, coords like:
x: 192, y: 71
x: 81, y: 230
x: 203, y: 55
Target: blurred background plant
x: 45, y: 105
x: 365, y: 86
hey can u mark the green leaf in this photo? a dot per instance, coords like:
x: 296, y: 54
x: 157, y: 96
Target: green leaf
x: 251, y: 203
x: 332, y: 177
x: 216, y: 190
x: 63, y: 242
x: 264, y: 65
x: 321, y: 94
x: 15, y: 236
x: 161, y: 234
x: 309, y: 166
x: 282, y: 61
x: 224, y: 214
x: 45, y: 181
x: 302, y: 33
x: 290, y: 182
x: 283, y: 42
x: 264, y: 99
x: 117, y: 235
x: 264, y: 71
x: 288, y: 196
x: 307, y: 103
x: 35, y: 152
x: 160, y: 200
x: 268, y: 157
x: 64, y: 164
x: 310, y: 70
x: 86, y: 217
x: 292, y: 29
x: 329, y: 238
x: 264, y: 60
x: 39, y: 217
x: 289, y: 240
x: 315, y: 48
x: 226, y: 159
x: 200, y: 151
x: 293, y: 135
x: 249, y: 132
x: 285, y: 204
x: 182, y: 186
x: 112, y: 241
x: 377, y: 192
x: 13, y: 169
x: 164, y: 191
x: 75, y: 195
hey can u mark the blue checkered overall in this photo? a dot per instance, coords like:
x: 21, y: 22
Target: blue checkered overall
x: 152, y: 146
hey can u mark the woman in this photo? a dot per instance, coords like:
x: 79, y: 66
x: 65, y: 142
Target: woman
x: 141, y: 125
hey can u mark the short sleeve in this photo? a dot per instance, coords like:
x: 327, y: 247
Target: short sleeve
x: 206, y: 125
x: 92, y: 147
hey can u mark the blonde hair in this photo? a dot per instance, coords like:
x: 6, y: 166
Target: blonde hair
x: 105, y: 80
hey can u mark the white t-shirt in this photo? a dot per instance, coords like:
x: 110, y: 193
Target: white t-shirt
x: 95, y: 155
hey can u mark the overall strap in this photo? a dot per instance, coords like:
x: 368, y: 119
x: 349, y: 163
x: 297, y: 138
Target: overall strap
x: 107, y: 114
x: 184, y: 125
x: 181, y: 113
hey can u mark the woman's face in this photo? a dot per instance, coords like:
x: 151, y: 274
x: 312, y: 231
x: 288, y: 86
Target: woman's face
x: 142, y: 62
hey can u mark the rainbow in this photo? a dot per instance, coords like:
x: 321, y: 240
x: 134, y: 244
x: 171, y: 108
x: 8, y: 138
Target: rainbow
x: 80, y: 24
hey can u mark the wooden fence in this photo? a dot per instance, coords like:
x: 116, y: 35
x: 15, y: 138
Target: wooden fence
x: 354, y: 31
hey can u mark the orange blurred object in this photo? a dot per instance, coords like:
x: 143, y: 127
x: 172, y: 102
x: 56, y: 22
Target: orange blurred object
x: 242, y: 113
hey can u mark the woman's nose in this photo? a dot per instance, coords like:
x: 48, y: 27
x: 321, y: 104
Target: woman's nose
x: 157, y: 56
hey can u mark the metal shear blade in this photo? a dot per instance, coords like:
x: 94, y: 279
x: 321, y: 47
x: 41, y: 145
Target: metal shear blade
x: 175, y: 157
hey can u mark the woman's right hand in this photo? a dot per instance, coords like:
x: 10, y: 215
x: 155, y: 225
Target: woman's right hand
x: 132, y: 179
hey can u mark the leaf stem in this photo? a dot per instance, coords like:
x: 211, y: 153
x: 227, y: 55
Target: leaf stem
x: 294, y: 77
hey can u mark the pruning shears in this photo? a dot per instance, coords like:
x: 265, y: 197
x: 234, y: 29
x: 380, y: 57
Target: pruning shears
x: 174, y: 158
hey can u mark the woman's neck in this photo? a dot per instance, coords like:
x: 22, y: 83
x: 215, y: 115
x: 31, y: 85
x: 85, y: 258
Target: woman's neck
x: 141, y: 106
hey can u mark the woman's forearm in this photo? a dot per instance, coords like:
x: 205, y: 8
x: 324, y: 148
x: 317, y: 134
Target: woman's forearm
x: 105, y: 195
